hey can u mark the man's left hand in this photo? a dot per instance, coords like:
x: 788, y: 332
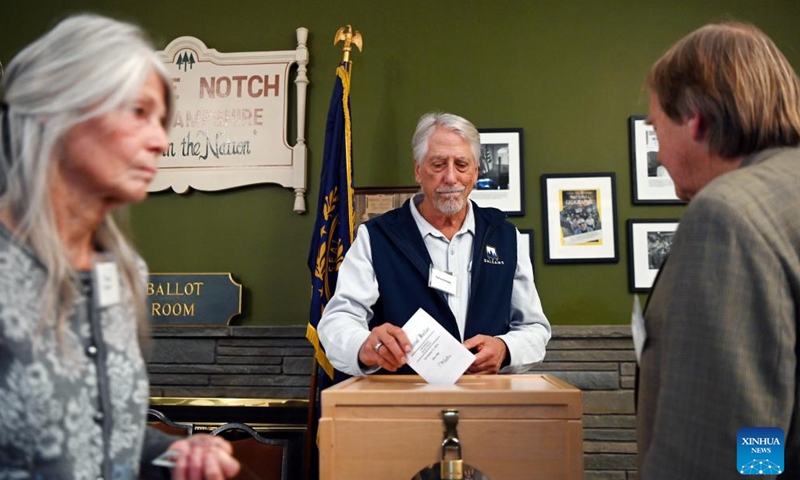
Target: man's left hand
x: 490, y: 354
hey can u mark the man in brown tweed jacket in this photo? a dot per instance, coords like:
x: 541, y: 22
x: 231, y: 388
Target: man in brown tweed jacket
x: 721, y: 324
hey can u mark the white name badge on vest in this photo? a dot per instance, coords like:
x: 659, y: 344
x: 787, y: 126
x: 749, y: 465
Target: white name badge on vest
x: 106, y: 281
x: 442, y: 281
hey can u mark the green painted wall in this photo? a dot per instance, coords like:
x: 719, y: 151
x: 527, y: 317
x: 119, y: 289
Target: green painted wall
x: 568, y: 72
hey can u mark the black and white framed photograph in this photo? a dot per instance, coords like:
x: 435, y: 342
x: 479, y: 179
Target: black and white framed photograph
x: 580, y: 218
x: 500, y: 177
x: 649, y: 243
x: 526, y: 238
x: 651, y: 183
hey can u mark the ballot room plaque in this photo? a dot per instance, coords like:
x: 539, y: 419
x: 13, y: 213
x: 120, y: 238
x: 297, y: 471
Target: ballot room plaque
x: 193, y: 298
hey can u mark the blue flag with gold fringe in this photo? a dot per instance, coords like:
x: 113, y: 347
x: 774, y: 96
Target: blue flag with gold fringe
x: 333, y: 231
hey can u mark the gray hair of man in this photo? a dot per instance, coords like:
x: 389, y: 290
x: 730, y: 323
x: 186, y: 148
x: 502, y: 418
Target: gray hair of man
x: 428, y: 124
x: 83, y: 68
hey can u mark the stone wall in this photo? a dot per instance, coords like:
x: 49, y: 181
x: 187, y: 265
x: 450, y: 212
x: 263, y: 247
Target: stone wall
x: 234, y: 362
x: 275, y: 362
x: 600, y: 361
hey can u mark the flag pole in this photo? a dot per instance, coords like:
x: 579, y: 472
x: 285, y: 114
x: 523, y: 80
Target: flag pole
x: 350, y: 38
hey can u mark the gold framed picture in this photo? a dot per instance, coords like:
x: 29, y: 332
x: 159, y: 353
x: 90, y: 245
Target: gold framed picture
x: 369, y: 202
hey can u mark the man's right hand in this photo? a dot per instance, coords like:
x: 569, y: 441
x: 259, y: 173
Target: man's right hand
x: 386, y: 347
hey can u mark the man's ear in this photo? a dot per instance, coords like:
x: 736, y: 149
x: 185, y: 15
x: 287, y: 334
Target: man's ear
x: 698, y: 127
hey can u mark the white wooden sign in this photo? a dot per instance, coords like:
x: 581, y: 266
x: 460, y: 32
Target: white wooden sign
x: 231, y: 119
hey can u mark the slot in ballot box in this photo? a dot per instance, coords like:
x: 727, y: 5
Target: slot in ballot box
x: 510, y: 427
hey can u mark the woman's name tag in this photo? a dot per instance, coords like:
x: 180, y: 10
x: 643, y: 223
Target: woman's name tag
x: 106, y: 280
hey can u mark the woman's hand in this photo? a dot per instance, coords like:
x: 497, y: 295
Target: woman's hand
x: 204, y: 457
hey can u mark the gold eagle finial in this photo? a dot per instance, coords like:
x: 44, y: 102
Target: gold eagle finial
x: 349, y: 37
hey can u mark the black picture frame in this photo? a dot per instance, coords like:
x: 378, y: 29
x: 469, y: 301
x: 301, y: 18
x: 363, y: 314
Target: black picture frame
x: 568, y: 198
x: 650, y: 181
x: 649, y: 242
x: 500, y: 171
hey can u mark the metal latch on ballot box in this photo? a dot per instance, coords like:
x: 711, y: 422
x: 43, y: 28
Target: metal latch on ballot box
x: 452, y: 466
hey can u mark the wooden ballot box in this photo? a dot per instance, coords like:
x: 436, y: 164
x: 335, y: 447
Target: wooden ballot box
x: 510, y: 427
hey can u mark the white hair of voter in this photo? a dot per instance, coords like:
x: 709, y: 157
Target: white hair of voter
x: 428, y: 124
x: 86, y: 66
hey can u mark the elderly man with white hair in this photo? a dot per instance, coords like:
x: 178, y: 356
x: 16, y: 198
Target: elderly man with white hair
x: 492, y: 305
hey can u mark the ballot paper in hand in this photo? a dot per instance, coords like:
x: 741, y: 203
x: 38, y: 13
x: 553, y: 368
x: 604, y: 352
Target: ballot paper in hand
x: 435, y: 355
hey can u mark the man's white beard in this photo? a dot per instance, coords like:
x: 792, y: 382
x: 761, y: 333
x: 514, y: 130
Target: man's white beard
x: 450, y: 204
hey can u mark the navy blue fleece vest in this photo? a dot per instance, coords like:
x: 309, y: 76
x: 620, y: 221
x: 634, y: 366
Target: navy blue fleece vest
x: 402, y: 263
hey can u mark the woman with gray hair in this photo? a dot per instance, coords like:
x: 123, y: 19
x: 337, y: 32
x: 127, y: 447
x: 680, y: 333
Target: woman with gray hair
x: 83, y: 120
